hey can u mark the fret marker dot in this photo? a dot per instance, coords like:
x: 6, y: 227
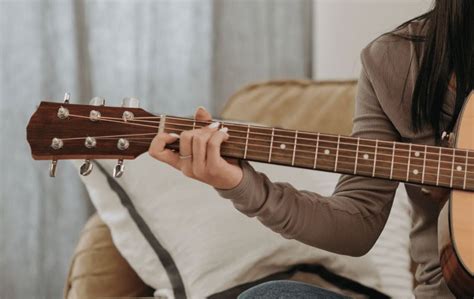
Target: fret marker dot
x: 282, y: 146
x: 366, y: 156
x: 459, y: 168
x: 415, y: 171
x: 326, y: 152
x: 417, y: 154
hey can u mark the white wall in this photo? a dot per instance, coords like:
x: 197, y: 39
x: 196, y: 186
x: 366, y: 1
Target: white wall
x: 343, y: 28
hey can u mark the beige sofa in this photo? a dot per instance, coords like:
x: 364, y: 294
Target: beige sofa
x: 97, y: 268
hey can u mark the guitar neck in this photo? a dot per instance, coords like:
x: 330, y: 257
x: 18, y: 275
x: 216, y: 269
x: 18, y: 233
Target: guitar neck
x: 404, y: 162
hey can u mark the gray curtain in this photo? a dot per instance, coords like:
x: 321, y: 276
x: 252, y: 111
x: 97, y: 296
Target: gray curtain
x: 173, y: 55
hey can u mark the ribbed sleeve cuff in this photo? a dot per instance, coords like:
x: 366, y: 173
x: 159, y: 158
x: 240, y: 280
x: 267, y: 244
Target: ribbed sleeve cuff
x: 243, y: 190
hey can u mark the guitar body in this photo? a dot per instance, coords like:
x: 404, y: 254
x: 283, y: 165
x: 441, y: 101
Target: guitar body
x: 456, y: 221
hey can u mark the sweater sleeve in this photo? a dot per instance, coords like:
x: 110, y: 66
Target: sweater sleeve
x: 347, y: 222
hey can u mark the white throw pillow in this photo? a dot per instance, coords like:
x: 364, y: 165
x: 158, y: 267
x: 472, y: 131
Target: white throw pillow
x: 214, y: 247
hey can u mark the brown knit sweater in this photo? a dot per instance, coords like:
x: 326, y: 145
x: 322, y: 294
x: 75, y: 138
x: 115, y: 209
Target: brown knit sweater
x: 350, y: 221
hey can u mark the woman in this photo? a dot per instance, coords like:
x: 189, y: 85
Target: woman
x: 412, y: 86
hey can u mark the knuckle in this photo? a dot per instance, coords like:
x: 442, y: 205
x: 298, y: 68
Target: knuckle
x: 201, y: 139
x: 151, y: 152
x: 214, y: 143
x: 198, y: 172
x: 186, y: 135
x: 156, y: 155
x: 161, y: 135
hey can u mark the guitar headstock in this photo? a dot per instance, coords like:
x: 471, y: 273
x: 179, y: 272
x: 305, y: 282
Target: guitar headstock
x: 59, y: 131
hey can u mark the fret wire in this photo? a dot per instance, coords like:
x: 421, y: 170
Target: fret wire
x: 439, y: 165
x: 294, y: 148
x: 337, y: 152
x: 393, y: 160
x: 271, y: 146
x: 465, y: 170
x: 452, y: 169
x: 409, y: 158
x: 357, y: 155
x: 247, y: 141
x: 194, y: 124
x: 424, y: 166
x: 316, y: 152
x: 375, y: 157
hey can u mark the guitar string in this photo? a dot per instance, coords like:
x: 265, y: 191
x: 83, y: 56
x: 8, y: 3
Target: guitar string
x: 283, y: 155
x: 245, y: 126
x: 311, y: 157
x: 111, y: 136
x: 436, y: 148
x: 332, y: 142
x: 361, y: 165
x: 313, y: 147
x: 275, y: 148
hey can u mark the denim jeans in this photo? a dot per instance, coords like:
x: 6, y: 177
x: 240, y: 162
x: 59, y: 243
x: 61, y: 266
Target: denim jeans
x: 286, y: 289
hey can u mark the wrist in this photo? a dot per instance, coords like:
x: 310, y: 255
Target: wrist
x: 231, y: 181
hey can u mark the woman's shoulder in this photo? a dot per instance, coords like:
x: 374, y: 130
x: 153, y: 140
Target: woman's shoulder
x: 391, y: 64
x: 395, y: 49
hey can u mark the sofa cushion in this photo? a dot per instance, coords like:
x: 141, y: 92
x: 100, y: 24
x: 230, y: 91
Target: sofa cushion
x: 177, y: 233
x: 325, y: 107
x: 98, y: 269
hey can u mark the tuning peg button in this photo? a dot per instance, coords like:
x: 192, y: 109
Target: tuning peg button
x: 131, y: 102
x: 90, y: 142
x: 86, y: 168
x: 123, y: 144
x: 97, y: 101
x: 119, y: 169
x: 56, y: 143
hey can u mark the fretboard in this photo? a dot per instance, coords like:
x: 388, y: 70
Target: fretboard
x: 404, y: 162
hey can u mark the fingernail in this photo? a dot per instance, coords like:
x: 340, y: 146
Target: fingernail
x: 214, y: 125
x: 174, y: 135
x: 202, y: 108
x: 224, y: 130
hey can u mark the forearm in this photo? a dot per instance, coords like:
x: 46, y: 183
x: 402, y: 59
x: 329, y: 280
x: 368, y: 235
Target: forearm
x: 335, y: 223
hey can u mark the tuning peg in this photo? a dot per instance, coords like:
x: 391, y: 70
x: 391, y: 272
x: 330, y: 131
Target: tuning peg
x: 97, y: 101
x: 52, y: 168
x: 86, y: 168
x: 131, y: 102
x: 67, y: 97
x: 119, y: 169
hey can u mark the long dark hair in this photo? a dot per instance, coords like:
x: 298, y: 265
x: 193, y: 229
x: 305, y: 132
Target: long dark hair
x: 448, y: 40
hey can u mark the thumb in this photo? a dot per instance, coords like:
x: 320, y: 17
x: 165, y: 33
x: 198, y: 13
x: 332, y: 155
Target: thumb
x: 202, y: 114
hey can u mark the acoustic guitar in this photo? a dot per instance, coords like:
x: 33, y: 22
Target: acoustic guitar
x: 58, y: 131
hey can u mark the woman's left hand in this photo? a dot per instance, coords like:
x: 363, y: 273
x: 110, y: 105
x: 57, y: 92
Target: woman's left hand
x: 199, y: 154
